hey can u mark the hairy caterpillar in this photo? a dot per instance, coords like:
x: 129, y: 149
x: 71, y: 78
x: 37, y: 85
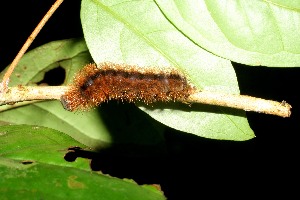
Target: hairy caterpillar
x: 94, y: 85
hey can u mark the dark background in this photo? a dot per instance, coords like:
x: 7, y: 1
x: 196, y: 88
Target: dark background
x: 194, y: 167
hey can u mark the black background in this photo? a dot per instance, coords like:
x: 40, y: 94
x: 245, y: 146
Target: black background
x: 195, y: 167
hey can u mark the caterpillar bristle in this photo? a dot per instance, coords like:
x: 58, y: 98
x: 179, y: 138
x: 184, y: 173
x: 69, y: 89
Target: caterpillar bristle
x: 109, y: 81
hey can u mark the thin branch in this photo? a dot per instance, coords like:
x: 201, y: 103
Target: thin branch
x: 5, y: 81
x: 28, y: 93
x: 247, y: 103
x: 244, y: 102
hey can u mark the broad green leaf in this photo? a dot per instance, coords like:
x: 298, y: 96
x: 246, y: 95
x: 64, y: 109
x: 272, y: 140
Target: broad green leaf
x: 32, y: 166
x: 38, y: 144
x: 137, y: 32
x: 48, y: 181
x: 90, y: 128
x: 249, y: 32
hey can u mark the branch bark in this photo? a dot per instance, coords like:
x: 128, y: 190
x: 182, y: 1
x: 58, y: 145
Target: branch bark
x: 244, y: 102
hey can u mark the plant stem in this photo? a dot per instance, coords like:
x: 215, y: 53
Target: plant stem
x: 244, y: 102
x: 28, y: 93
x: 5, y: 81
x: 247, y: 103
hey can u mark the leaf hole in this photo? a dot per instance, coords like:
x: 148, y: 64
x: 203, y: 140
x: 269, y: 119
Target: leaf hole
x: 72, y: 154
x: 27, y: 162
x: 54, y: 77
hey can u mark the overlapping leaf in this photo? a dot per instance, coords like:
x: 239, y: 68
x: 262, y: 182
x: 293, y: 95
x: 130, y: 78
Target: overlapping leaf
x: 249, y: 32
x: 32, y: 166
x: 138, y: 32
x: 90, y: 128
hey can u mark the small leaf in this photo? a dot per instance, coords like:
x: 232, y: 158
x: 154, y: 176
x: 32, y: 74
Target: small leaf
x: 93, y: 128
x: 46, y: 57
x: 137, y: 32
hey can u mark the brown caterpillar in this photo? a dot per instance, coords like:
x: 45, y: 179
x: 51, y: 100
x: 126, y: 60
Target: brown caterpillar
x: 94, y: 85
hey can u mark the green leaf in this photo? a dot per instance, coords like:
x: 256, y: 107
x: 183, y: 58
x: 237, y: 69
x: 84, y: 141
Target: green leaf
x: 90, y: 128
x: 248, y: 32
x: 32, y: 166
x: 45, y: 181
x: 137, y: 32
x: 70, y: 54
x: 38, y: 144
